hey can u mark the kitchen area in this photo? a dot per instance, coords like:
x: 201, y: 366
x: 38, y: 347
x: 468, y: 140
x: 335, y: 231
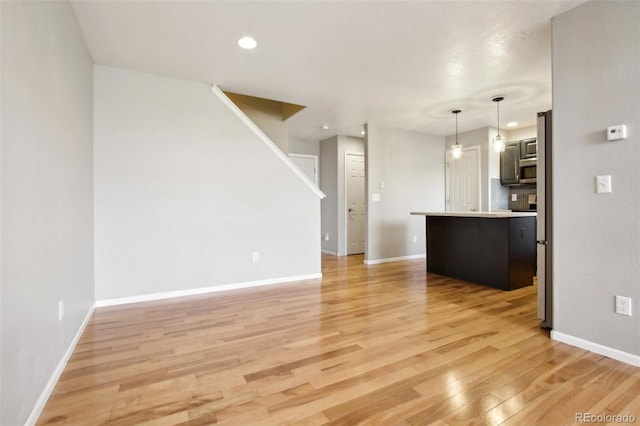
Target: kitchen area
x: 518, y: 172
x: 506, y: 244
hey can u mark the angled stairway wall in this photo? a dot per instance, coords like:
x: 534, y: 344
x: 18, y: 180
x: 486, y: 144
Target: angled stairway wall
x: 186, y: 190
x: 270, y: 116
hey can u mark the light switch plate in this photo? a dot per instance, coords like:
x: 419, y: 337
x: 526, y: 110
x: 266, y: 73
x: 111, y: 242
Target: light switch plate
x: 603, y: 184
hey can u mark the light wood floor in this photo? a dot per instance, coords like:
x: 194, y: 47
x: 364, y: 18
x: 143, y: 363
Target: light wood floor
x: 384, y: 344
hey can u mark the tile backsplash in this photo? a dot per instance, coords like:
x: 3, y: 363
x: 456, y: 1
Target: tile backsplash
x: 522, y: 192
x: 499, y: 195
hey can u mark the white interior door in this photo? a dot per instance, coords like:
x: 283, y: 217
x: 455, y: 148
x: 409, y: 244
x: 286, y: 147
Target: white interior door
x: 463, y: 181
x: 308, y: 164
x: 356, y: 199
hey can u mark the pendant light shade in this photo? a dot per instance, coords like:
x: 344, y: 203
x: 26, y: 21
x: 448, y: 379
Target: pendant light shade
x: 498, y: 142
x: 456, y: 150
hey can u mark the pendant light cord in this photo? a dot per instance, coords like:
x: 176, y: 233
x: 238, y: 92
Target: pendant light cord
x: 498, y: 107
x: 456, y: 149
x: 456, y: 112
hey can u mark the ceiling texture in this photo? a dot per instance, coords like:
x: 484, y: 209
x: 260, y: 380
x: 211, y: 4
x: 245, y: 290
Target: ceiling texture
x: 398, y: 64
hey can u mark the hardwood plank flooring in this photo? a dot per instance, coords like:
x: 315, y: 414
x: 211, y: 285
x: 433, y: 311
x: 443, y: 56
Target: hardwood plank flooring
x: 382, y: 344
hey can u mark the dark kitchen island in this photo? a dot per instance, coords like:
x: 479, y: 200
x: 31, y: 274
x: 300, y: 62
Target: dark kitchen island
x: 497, y: 249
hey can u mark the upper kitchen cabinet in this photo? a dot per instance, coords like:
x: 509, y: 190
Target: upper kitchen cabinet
x: 510, y: 164
x: 528, y: 149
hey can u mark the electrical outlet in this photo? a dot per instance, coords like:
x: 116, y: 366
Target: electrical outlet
x: 326, y: 237
x: 514, y: 197
x: 256, y: 256
x: 415, y: 239
x: 60, y: 309
x: 623, y: 305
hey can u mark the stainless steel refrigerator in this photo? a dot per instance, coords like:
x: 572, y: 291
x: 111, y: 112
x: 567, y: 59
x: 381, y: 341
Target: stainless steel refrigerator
x: 544, y: 225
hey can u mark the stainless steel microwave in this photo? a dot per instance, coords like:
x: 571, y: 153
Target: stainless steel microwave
x: 528, y: 161
x: 528, y: 170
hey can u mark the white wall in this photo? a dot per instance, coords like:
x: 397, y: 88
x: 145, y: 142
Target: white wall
x: 1, y: 102
x: 411, y: 165
x: 185, y: 192
x: 276, y: 129
x: 332, y: 183
x: 596, y: 64
x: 46, y: 196
x: 329, y: 185
x: 522, y: 133
x: 304, y: 146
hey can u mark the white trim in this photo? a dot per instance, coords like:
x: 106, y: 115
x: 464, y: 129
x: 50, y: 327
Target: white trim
x: 616, y: 354
x: 268, y: 142
x: 333, y: 253
x: 202, y: 290
x: 395, y: 259
x: 55, y: 376
x: 315, y: 159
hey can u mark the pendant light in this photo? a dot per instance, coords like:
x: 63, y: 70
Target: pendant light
x: 456, y: 150
x: 498, y: 142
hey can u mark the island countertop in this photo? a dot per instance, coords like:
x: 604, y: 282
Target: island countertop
x: 489, y: 215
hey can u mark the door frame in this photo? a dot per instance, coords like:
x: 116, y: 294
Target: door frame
x: 346, y: 215
x: 315, y: 159
x: 544, y: 237
x: 448, y: 158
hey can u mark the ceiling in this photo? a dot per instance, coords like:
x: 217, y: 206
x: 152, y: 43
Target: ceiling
x: 400, y: 64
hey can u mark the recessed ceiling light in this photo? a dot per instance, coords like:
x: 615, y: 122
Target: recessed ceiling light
x: 512, y: 124
x: 325, y: 127
x: 247, y: 43
x: 363, y: 132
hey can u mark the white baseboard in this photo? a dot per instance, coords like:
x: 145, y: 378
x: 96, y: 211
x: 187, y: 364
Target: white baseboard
x: 616, y: 354
x: 202, y: 290
x: 395, y: 259
x: 53, y: 380
x: 333, y: 253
